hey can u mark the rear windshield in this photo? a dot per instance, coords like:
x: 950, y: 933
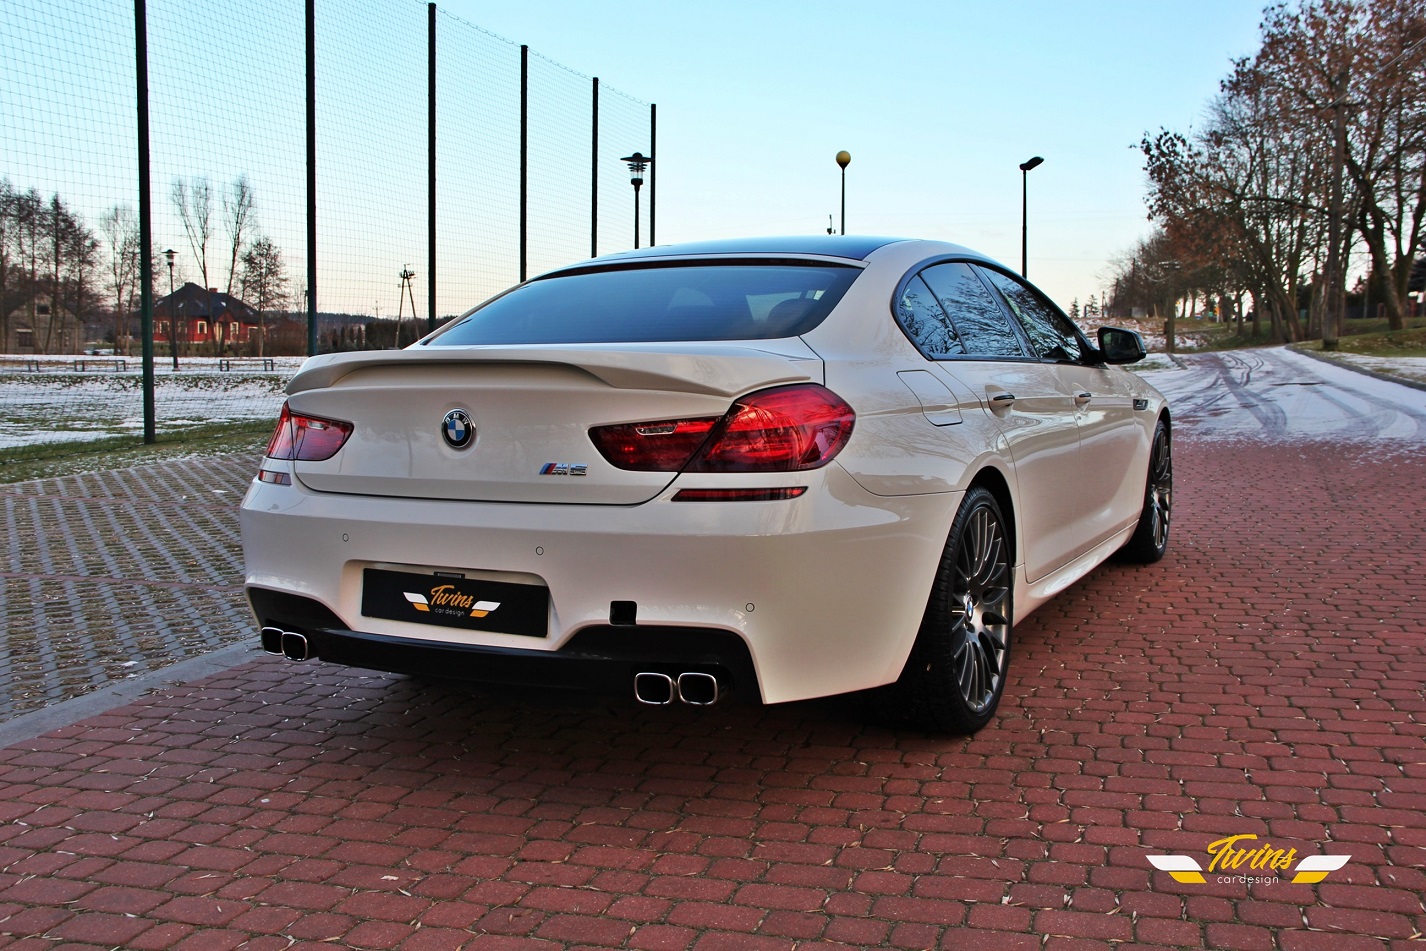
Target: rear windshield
x: 668, y: 302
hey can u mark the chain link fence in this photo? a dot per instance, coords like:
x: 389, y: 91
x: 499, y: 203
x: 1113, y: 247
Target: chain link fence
x: 227, y: 100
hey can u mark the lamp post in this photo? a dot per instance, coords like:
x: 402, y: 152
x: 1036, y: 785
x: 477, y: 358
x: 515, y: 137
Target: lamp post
x: 844, y: 158
x: 637, y: 162
x: 1025, y: 211
x: 172, y: 311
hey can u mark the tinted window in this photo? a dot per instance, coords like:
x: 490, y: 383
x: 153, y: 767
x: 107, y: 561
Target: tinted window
x: 659, y: 303
x: 1050, y: 332
x: 982, y: 324
x: 925, y: 323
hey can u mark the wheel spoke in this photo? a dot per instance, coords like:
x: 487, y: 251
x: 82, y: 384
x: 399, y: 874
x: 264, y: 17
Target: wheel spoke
x: 978, y: 602
x: 996, y: 636
x: 965, y: 667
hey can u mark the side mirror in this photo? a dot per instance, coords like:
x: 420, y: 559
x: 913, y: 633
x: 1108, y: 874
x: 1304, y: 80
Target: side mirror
x: 1121, y: 346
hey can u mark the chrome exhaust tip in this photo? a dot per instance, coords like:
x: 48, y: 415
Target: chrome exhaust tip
x: 654, y: 689
x: 698, y: 689
x: 295, y: 646
x: 272, y: 640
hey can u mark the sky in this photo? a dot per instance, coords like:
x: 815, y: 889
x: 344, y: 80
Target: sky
x: 937, y: 102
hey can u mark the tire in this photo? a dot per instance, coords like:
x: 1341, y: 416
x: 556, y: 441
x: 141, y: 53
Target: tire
x: 955, y: 675
x: 1151, y: 539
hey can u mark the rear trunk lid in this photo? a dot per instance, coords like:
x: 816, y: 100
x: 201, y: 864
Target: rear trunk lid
x: 531, y: 408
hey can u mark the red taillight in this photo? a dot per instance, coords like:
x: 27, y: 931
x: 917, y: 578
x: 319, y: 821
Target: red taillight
x: 781, y: 430
x: 785, y: 429
x: 662, y: 446
x: 308, y: 438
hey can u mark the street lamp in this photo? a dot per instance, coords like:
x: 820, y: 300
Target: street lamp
x: 844, y: 158
x: 637, y: 163
x: 1024, y: 211
x: 172, y: 312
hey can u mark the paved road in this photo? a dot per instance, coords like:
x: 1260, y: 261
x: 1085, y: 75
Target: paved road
x: 1265, y: 679
x: 113, y: 575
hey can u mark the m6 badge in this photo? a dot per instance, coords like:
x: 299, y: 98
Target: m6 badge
x: 564, y: 469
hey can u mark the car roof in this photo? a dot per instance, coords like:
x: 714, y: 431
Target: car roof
x: 852, y: 247
x: 903, y: 252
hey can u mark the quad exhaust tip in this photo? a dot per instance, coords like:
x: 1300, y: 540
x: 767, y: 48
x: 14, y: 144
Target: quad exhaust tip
x: 289, y: 644
x: 695, y: 688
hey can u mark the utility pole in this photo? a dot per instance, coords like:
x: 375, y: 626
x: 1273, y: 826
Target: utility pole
x: 405, y: 293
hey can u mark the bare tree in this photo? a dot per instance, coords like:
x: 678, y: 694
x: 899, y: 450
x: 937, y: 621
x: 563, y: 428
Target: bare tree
x: 237, y: 216
x: 1358, y: 69
x: 1317, y: 141
x: 69, y: 250
x: 194, y: 203
x: 264, y: 282
x: 1244, y: 195
x: 21, y: 238
x: 15, y: 280
x: 121, y: 229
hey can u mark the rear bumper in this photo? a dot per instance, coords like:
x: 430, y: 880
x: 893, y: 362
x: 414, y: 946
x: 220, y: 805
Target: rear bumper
x: 819, y: 595
x: 603, y: 658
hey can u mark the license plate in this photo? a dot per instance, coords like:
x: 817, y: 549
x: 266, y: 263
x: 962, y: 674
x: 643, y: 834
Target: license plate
x: 500, y: 607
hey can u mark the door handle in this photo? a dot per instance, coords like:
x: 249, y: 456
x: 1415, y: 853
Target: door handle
x: 1081, y: 398
x: 1002, y: 399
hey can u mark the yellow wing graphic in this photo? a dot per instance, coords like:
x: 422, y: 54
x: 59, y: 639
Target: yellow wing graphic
x: 482, y: 608
x: 1314, y: 868
x: 1181, y: 867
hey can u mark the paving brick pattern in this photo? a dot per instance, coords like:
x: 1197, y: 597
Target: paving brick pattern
x: 113, y: 574
x: 1266, y: 678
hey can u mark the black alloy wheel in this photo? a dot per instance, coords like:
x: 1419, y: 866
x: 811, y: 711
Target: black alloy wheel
x: 1151, y: 539
x: 956, y: 673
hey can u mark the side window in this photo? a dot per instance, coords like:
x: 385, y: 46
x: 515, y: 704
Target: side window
x: 925, y: 323
x: 983, y: 325
x: 1050, y: 331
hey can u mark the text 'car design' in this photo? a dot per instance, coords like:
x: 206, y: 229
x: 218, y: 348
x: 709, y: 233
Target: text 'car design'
x: 781, y: 467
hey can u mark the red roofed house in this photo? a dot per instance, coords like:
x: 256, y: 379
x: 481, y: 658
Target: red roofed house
x: 219, y: 321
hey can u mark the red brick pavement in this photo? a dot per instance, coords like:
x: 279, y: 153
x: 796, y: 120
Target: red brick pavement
x: 1266, y: 678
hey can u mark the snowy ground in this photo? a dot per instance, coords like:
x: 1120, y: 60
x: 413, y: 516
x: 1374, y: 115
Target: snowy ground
x: 1279, y: 395
x: 61, y: 403
x: 1410, y: 368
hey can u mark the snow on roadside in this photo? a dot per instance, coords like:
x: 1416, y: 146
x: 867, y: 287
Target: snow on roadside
x: 1409, y: 368
x: 62, y: 404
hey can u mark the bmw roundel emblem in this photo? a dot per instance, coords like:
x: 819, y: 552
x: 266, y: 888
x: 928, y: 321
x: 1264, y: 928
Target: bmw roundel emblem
x: 457, y: 429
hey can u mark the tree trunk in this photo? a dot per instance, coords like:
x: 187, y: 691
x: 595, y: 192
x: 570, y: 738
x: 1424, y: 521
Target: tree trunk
x: 1332, y: 296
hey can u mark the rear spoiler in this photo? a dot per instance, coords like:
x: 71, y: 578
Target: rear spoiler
x: 711, y: 369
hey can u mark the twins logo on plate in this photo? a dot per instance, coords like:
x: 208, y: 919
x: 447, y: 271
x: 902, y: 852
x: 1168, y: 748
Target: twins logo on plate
x: 457, y: 429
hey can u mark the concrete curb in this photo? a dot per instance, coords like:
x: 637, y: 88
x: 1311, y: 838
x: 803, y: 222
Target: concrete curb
x: 27, y: 726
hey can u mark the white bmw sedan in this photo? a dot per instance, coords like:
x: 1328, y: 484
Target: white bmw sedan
x: 777, y: 467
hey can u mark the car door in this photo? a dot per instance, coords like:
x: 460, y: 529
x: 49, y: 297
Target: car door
x: 1109, y: 481
x: 1028, y: 402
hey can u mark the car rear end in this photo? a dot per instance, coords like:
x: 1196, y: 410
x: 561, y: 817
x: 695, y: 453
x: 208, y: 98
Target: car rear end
x: 620, y: 477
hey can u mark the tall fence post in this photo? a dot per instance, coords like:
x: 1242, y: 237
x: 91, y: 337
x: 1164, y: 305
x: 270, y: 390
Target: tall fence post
x: 594, y: 178
x: 141, y: 57
x: 431, y: 164
x: 524, y: 152
x: 653, y: 168
x: 311, y: 178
